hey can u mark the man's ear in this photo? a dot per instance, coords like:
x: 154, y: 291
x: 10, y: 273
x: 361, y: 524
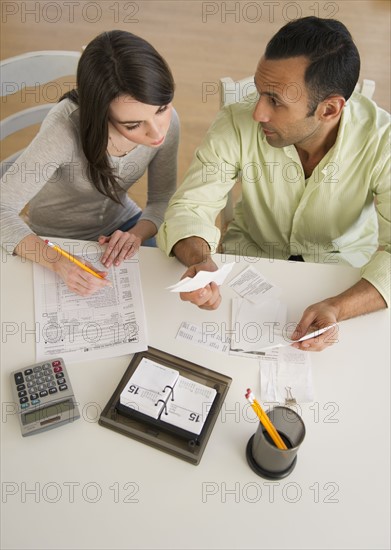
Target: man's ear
x: 331, y: 107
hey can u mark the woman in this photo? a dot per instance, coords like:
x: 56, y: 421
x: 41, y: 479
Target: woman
x: 91, y: 148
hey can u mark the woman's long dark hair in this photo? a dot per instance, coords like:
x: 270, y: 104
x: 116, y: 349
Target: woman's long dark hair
x: 115, y: 63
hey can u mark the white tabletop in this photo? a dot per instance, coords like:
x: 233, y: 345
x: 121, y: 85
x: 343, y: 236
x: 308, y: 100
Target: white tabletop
x: 83, y: 486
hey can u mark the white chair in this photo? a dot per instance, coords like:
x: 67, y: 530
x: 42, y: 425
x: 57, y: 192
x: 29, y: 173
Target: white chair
x: 232, y: 91
x: 27, y: 70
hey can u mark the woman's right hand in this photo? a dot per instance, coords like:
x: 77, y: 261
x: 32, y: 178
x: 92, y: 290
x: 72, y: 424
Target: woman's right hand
x: 79, y: 281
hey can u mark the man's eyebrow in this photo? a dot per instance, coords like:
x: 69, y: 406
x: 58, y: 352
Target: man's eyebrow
x: 270, y: 93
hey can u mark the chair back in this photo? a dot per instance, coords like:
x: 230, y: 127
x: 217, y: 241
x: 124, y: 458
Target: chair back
x: 32, y: 69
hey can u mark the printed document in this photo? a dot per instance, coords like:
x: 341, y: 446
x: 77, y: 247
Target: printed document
x: 109, y: 323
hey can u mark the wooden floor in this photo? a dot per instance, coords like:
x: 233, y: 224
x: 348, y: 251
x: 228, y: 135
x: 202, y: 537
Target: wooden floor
x: 202, y: 41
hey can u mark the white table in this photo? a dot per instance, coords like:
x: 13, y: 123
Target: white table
x: 84, y: 486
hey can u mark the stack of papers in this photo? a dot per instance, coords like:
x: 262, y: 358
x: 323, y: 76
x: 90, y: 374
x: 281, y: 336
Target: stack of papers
x: 286, y: 376
x: 259, y: 318
x: 259, y: 328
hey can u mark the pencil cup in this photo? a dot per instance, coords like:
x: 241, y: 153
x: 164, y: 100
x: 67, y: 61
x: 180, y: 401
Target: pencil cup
x: 262, y: 454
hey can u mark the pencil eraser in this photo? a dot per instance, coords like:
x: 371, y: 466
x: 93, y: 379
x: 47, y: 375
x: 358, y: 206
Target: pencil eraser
x: 47, y: 241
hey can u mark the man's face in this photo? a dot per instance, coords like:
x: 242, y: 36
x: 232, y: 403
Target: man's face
x: 283, y: 103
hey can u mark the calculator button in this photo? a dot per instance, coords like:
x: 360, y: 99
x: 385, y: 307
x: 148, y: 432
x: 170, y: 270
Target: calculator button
x: 56, y: 363
x: 41, y: 387
x: 37, y: 369
x: 21, y: 387
x: 59, y: 375
x: 57, y: 369
x: 24, y: 405
x: 27, y: 372
x: 35, y: 402
x: 52, y: 390
x: 23, y: 400
x: 30, y: 378
x: 40, y: 380
x: 18, y: 378
x: 61, y: 381
x: 33, y: 396
x: 43, y: 393
x: 63, y: 387
x: 22, y: 393
x: 49, y: 378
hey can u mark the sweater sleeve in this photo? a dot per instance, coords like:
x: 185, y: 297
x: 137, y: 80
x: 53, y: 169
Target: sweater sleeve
x: 162, y: 175
x: 49, y: 150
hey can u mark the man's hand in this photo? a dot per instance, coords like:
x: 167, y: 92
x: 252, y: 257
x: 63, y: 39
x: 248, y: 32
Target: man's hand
x: 315, y: 317
x: 207, y: 297
x: 195, y: 253
x: 361, y: 298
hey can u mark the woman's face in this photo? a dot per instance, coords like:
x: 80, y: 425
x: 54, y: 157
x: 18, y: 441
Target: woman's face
x: 140, y: 123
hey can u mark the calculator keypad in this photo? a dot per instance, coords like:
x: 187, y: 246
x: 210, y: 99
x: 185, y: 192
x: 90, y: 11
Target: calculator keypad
x: 34, y: 384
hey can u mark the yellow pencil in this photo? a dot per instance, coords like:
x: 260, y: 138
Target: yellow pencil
x: 73, y: 259
x: 266, y: 422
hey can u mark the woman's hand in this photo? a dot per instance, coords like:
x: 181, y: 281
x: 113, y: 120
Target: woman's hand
x: 121, y: 245
x: 79, y: 281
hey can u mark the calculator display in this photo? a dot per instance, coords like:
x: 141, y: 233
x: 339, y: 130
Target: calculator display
x: 45, y: 413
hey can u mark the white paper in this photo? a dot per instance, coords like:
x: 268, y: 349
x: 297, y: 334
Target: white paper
x: 148, y: 388
x: 194, y: 334
x: 287, y: 373
x: 201, y: 279
x: 258, y: 327
x: 109, y: 323
x: 253, y: 286
x: 190, y: 405
x: 263, y: 326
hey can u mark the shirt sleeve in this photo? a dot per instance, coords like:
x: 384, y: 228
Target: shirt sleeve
x: 162, y: 175
x: 193, y: 209
x: 377, y: 270
x: 50, y: 148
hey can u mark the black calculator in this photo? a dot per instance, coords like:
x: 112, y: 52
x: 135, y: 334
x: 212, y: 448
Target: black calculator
x: 44, y: 396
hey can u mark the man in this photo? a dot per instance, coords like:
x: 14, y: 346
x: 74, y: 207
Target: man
x: 314, y: 163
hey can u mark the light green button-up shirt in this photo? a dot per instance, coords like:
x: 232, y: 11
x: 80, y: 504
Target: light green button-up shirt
x: 340, y: 214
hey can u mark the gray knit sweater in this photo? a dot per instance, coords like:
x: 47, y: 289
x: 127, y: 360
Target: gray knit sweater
x: 51, y: 175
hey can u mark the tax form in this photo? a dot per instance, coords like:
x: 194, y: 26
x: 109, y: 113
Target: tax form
x: 109, y: 323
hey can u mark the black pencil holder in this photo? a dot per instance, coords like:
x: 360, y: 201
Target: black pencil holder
x: 264, y: 457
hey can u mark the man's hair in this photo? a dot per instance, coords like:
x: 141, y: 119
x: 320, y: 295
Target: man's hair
x: 334, y: 61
